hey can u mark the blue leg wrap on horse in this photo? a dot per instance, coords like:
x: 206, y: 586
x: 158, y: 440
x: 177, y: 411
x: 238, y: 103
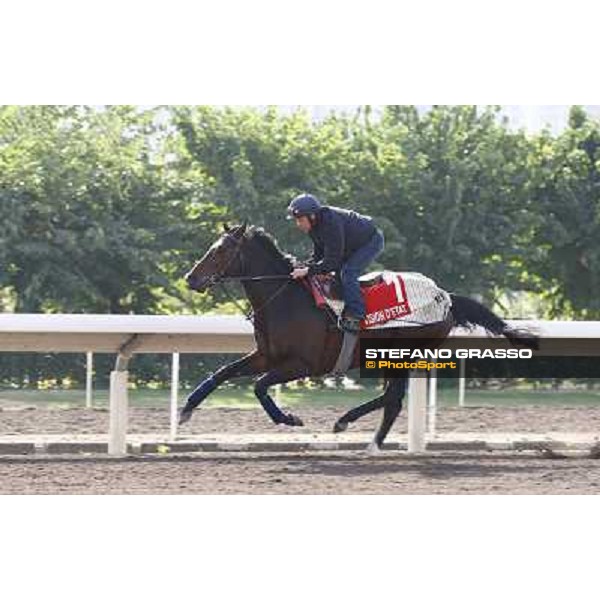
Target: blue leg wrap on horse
x: 272, y: 409
x: 203, y: 390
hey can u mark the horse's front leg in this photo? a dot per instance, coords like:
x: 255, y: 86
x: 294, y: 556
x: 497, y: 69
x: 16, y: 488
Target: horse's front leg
x: 251, y: 364
x: 286, y: 371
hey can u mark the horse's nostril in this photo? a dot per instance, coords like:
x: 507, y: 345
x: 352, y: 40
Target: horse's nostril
x: 196, y: 282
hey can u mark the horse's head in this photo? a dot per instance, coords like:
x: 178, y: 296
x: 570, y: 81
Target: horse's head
x: 218, y: 260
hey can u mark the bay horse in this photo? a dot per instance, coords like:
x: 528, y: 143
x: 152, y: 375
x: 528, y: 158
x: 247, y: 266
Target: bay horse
x: 296, y: 339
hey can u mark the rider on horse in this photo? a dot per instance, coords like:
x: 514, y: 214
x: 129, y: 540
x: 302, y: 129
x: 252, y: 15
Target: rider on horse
x: 344, y: 241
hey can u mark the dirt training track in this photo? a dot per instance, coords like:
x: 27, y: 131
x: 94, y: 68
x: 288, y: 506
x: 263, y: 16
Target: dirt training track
x: 300, y: 472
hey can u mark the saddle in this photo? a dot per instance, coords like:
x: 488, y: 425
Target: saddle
x: 328, y: 287
x: 391, y: 299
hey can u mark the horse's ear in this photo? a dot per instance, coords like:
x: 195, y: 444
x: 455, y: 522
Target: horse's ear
x: 241, y: 230
x: 226, y: 227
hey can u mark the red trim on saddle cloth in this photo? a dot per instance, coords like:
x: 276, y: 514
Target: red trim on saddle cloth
x: 385, y: 301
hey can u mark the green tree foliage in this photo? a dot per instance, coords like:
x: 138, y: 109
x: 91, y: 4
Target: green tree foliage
x: 93, y: 213
x: 464, y: 196
x: 565, y: 262
x: 256, y: 161
x: 449, y: 188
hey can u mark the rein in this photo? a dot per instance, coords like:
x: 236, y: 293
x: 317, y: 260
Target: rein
x: 251, y: 314
x: 256, y: 278
x: 222, y: 279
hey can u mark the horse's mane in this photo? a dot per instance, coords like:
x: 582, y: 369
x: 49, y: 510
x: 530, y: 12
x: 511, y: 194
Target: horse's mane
x: 270, y: 245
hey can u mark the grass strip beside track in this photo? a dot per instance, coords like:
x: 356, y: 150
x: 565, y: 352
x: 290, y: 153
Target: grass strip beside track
x: 244, y: 397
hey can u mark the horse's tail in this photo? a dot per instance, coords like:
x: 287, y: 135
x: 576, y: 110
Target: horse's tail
x: 468, y: 313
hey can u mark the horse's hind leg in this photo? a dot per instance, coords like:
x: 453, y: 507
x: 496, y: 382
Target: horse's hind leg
x: 251, y: 364
x: 394, y: 393
x: 356, y: 413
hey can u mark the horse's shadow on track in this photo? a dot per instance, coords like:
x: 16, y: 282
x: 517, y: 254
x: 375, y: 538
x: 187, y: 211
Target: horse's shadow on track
x: 440, y: 467
x: 355, y: 465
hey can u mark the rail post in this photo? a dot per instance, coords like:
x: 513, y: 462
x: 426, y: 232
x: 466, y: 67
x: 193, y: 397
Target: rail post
x: 89, y: 366
x: 118, y: 402
x: 174, y: 394
x: 417, y: 412
x: 461, y: 382
x: 432, y: 404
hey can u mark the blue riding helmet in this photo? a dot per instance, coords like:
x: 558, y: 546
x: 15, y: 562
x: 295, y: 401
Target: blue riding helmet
x: 305, y: 204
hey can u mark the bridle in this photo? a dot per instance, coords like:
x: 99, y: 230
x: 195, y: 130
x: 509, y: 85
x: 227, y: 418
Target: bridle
x: 219, y: 278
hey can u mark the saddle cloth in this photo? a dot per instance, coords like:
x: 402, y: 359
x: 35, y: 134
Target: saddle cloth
x: 391, y: 299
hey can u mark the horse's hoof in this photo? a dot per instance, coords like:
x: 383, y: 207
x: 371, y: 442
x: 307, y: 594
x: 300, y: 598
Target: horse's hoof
x: 373, y: 449
x: 340, y: 426
x: 184, y: 416
x: 293, y: 421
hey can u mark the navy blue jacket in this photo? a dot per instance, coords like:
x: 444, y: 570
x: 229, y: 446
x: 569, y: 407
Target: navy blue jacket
x: 336, y: 234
